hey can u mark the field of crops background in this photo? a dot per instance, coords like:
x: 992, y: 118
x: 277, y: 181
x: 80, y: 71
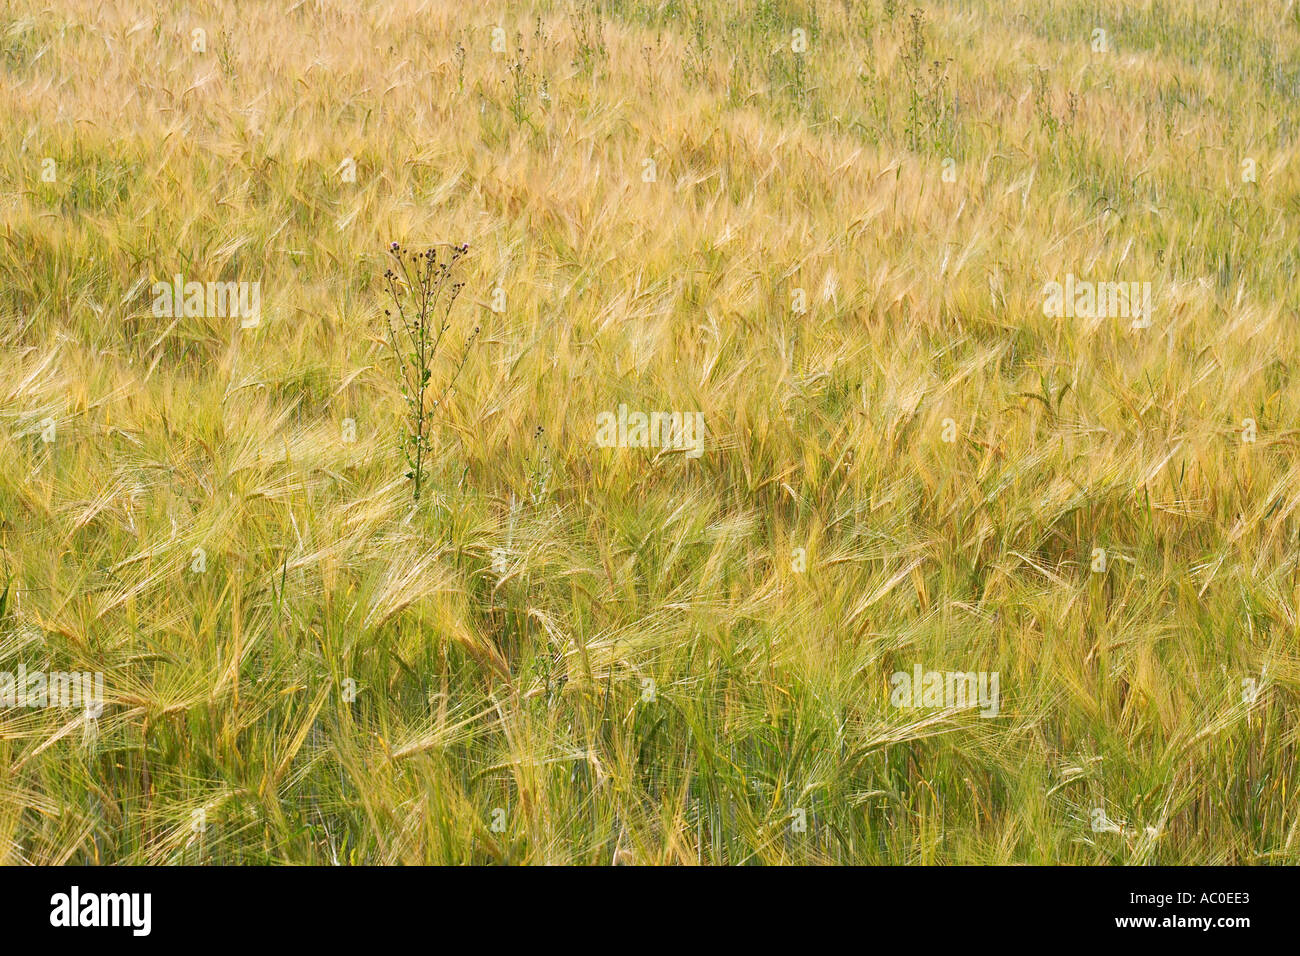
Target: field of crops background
x: 826, y: 227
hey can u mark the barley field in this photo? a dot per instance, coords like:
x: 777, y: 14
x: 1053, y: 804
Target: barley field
x: 926, y: 556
